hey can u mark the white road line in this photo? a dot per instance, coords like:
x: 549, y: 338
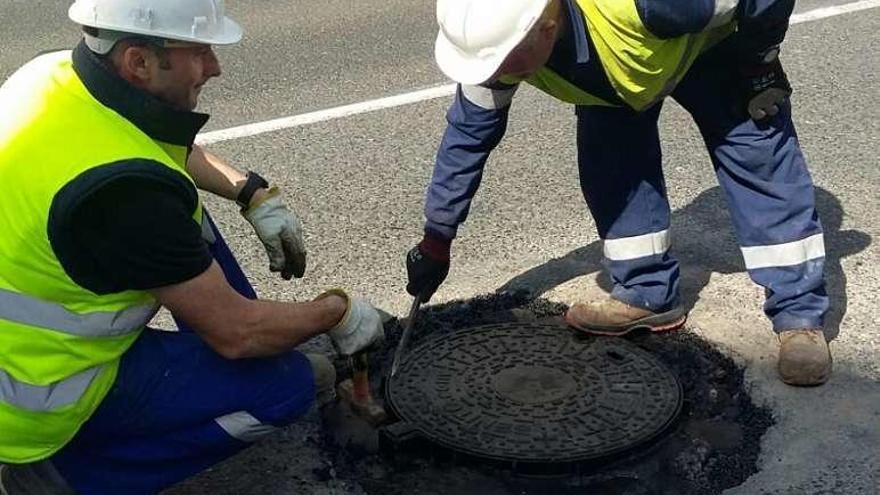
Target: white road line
x: 824, y: 12
x: 322, y: 115
x: 442, y: 91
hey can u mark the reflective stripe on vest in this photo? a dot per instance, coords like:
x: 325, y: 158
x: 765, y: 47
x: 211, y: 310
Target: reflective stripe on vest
x: 24, y: 309
x: 47, y: 398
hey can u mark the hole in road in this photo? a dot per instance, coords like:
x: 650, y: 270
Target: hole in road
x: 714, y: 445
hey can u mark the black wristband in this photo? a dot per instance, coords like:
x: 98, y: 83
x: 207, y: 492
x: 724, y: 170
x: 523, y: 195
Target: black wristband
x: 254, y: 181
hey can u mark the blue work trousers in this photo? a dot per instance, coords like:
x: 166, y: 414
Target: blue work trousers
x: 177, y: 408
x: 760, y: 168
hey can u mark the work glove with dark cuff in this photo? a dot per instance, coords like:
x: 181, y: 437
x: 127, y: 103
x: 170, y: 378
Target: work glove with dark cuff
x: 281, y: 233
x: 427, y: 265
x: 360, y: 327
x: 765, y: 85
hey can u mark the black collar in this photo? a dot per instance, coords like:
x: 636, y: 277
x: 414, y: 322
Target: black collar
x: 154, y: 117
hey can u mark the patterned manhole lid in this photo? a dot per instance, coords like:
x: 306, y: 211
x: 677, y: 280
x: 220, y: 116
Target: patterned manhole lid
x: 534, y: 393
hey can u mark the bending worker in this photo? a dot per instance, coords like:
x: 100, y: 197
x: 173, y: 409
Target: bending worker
x: 101, y: 225
x: 617, y: 60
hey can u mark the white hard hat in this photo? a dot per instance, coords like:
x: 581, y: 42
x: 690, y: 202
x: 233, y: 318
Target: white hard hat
x: 197, y: 21
x: 477, y: 35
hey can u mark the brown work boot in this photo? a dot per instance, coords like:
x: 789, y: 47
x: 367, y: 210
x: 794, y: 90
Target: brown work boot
x: 325, y: 378
x: 613, y: 317
x: 804, y: 357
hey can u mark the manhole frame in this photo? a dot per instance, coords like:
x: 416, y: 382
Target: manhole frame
x: 406, y: 431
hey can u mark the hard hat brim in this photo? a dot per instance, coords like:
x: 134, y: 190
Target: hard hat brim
x: 464, y: 69
x: 471, y: 69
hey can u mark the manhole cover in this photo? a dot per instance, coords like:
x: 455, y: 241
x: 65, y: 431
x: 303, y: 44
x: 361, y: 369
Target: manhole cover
x: 533, y: 393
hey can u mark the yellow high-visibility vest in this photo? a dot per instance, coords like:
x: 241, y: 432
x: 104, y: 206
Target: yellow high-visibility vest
x: 60, y: 344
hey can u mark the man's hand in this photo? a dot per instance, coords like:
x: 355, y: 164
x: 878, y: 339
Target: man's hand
x: 280, y: 231
x: 427, y: 265
x: 360, y: 327
x: 765, y: 85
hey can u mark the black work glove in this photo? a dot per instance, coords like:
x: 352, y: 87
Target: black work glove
x: 765, y: 85
x: 427, y: 265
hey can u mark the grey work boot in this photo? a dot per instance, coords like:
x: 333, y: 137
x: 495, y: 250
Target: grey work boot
x: 613, y: 317
x: 804, y: 357
x: 3, y: 490
x: 325, y: 379
x: 38, y: 478
x: 343, y: 426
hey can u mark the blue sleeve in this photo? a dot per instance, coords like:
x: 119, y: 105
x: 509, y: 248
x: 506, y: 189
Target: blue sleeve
x: 674, y: 18
x: 472, y: 133
x: 761, y: 23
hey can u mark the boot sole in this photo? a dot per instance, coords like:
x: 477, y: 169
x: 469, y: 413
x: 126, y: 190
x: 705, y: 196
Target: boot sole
x: 813, y: 380
x: 806, y: 383
x: 663, y: 322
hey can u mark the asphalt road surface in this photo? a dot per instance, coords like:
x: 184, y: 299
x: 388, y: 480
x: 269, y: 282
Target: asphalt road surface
x: 358, y: 183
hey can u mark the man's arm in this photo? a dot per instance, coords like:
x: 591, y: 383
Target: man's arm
x: 477, y: 120
x: 213, y: 174
x: 129, y: 226
x: 237, y: 327
x: 278, y: 228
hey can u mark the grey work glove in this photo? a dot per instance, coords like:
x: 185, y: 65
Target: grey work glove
x: 360, y: 326
x: 765, y: 85
x: 280, y: 231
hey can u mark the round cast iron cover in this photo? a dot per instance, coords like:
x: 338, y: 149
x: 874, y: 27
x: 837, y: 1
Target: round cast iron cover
x: 533, y: 393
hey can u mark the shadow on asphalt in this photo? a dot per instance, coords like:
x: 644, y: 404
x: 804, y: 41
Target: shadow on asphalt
x: 704, y: 243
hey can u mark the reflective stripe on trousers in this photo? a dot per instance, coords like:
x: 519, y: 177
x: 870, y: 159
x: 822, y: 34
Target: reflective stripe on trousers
x: 243, y: 426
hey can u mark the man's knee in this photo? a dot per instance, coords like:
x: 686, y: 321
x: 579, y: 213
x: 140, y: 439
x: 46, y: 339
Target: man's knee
x: 304, y: 379
x: 288, y: 390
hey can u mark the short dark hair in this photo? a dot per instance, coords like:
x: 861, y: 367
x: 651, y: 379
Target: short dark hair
x: 160, y: 51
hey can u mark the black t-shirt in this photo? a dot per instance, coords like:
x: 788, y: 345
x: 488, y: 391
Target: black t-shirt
x: 128, y: 226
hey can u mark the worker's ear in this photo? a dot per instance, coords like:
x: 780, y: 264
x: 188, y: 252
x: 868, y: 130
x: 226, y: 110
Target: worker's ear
x: 136, y: 64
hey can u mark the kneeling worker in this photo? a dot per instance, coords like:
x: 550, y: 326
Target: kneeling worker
x: 101, y: 225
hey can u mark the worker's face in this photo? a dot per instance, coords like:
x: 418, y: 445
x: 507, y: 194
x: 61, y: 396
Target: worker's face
x: 530, y: 55
x: 178, y: 72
